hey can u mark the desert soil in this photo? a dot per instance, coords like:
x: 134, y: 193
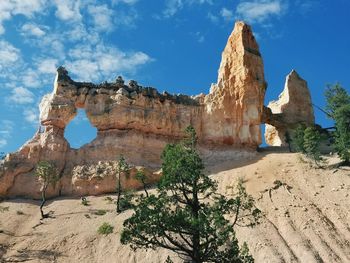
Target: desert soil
x: 306, y: 218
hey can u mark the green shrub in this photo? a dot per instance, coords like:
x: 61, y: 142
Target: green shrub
x: 298, y: 138
x: 312, y: 139
x: 126, y: 200
x: 105, y: 229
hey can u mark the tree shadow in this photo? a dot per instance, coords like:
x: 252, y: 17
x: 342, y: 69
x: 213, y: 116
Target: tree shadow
x: 3, y: 250
x: 260, y: 154
x: 28, y: 254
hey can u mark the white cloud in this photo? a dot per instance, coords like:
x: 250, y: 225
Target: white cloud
x: 226, y: 14
x: 47, y: 65
x: 101, y: 62
x: 30, y: 29
x: 213, y: 18
x: 28, y: 8
x: 129, y: 2
x: 3, y: 142
x: 173, y: 6
x: 10, y: 62
x: 31, y: 115
x: 20, y: 95
x: 102, y: 17
x: 259, y: 10
x: 31, y: 79
x: 68, y: 10
x: 8, y: 53
x: 6, y: 128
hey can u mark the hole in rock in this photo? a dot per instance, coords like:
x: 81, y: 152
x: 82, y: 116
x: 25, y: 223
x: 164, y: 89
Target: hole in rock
x: 263, y: 142
x: 79, y: 131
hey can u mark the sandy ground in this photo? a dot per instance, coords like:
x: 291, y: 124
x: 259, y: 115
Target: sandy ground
x: 306, y: 219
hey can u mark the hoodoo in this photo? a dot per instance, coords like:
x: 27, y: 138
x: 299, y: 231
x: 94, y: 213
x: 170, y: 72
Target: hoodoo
x: 138, y: 122
x: 293, y: 107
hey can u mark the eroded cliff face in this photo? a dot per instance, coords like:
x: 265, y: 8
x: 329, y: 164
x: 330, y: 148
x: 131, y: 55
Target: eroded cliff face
x: 293, y: 107
x: 138, y: 122
x: 235, y: 104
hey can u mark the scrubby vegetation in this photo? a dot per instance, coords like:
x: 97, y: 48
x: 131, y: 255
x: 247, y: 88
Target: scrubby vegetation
x: 307, y: 140
x: 187, y: 215
x: 338, y: 108
x: 47, y: 174
x: 105, y: 229
x: 142, y: 178
x: 122, y: 169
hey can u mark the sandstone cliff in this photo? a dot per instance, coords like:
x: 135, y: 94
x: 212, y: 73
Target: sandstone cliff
x: 138, y: 122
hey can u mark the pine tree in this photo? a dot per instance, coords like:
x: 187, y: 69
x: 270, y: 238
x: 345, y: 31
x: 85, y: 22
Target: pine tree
x: 298, y: 138
x: 336, y: 97
x: 187, y: 215
x: 338, y: 105
x: 312, y: 139
x: 342, y: 134
x: 142, y: 178
x: 122, y: 169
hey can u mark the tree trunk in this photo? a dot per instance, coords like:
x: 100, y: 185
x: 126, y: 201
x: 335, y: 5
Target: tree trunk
x: 43, y: 196
x: 196, y: 235
x: 119, y: 194
x: 144, y: 188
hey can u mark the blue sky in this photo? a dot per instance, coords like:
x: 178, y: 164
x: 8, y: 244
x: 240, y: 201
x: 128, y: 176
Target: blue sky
x: 173, y: 45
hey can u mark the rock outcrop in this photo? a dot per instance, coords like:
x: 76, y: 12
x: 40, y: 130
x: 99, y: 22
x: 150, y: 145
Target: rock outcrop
x: 235, y: 104
x: 293, y: 107
x: 138, y: 122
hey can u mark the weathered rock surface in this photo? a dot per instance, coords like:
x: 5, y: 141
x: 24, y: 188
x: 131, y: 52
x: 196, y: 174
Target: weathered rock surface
x: 138, y: 122
x: 293, y: 107
x: 235, y: 104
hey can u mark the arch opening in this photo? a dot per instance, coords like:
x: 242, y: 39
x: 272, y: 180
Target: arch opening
x: 80, y: 131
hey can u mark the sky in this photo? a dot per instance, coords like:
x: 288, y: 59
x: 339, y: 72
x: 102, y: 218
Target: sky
x: 172, y: 45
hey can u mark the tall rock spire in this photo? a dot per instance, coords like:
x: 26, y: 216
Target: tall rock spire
x: 235, y: 102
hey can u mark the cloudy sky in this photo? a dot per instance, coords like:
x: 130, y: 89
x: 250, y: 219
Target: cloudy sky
x: 173, y: 45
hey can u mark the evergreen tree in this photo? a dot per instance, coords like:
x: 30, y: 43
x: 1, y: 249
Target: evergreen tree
x: 312, y: 139
x: 142, y: 178
x: 122, y: 169
x: 342, y: 134
x: 47, y: 174
x: 336, y: 97
x: 288, y: 140
x: 187, y: 215
x: 338, y: 105
x: 298, y: 138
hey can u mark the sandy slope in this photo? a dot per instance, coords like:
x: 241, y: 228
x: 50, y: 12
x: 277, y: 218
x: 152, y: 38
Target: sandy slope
x: 307, y: 219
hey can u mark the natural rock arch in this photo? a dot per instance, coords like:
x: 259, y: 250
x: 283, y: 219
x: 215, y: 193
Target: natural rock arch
x: 138, y: 122
x: 79, y: 131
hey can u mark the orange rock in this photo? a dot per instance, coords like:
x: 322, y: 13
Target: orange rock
x: 138, y: 122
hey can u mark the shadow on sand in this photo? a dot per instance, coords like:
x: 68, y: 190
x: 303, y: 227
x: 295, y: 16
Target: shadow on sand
x: 232, y: 164
x: 24, y: 255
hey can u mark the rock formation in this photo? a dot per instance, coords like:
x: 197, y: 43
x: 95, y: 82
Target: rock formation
x: 138, y: 122
x: 293, y: 107
x: 235, y: 104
